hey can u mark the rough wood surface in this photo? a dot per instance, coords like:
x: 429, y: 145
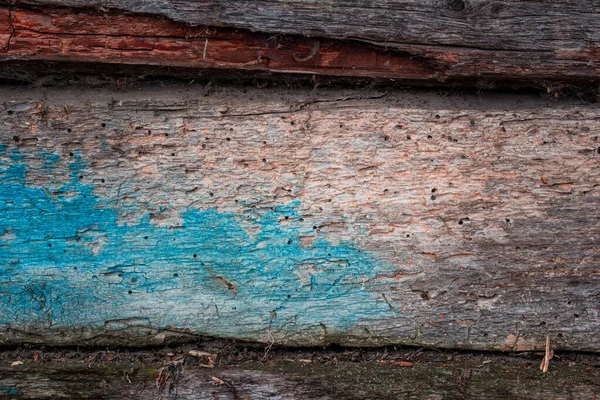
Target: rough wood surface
x: 299, y: 217
x: 433, y: 40
x: 247, y: 374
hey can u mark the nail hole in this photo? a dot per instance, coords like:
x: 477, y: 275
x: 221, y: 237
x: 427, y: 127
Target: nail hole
x: 69, y: 130
x: 228, y: 139
x: 103, y: 181
x: 460, y: 222
x: 407, y: 137
x: 130, y: 292
x: 10, y: 112
x: 194, y: 256
x: 71, y: 154
x: 16, y: 138
x: 145, y: 237
x: 103, y: 125
x: 433, y: 190
x: 576, y: 315
x: 175, y: 275
x: 386, y: 138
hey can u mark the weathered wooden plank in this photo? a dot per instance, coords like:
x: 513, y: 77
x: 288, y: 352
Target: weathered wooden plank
x: 65, y: 35
x: 244, y: 374
x: 299, y: 217
x: 435, y: 40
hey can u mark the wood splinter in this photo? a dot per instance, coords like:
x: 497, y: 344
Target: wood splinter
x: 547, y: 357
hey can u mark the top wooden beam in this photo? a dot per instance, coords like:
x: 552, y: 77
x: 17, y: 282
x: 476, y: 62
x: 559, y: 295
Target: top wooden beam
x: 483, y: 39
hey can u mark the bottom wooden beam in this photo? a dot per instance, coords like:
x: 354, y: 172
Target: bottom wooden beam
x: 254, y: 373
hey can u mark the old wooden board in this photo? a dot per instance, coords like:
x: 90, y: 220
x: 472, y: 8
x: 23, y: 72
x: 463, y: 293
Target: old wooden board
x: 474, y: 41
x: 299, y: 217
x: 242, y: 373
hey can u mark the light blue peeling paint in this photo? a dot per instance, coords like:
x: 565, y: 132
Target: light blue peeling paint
x: 70, y: 264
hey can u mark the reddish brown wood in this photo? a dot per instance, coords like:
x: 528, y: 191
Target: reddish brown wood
x: 67, y: 35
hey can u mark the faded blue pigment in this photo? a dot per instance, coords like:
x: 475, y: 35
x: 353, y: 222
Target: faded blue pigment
x: 66, y: 262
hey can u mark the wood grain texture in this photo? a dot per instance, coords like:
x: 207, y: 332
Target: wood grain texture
x: 299, y: 217
x: 434, y: 40
x: 240, y: 374
x: 76, y: 36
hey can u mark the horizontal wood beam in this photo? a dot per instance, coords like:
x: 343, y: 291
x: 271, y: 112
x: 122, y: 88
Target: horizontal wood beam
x: 82, y: 35
x: 298, y: 217
x: 234, y: 372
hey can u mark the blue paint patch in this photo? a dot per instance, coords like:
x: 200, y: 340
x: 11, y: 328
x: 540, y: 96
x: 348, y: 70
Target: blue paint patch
x: 8, y: 391
x: 69, y: 264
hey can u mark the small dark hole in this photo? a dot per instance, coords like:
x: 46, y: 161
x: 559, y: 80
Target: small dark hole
x: 149, y: 131
x: 69, y: 130
x: 560, y: 335
x: 71, y: 154
x: 437, y: 116
x: 286, y: 217
x: 288, y: 296
x: 292, y: 123
x: 424, y: 296
x: 472, y: 122
x: 130, y: 292
x: 173, y: 154
x: 542, y: 323
x: 301, y: 220
x: 576, y: 315
x: 433, y: 190
x: 429, y: 136
x: 569, y: 302
x: 211, y: 194
x: 386, y: 138
x: 508, y: 220
x: 175, y: 275
x: 407, y: 137
x: 10, y: 112
x: 203, y: 146
x: 16, y: 138
x: 264, y: 160
x: 407, y: 235
x: 103, y: 125
x: 194, y: 256
x: 103, y: 181
x: 49, y: 244
x: 145, y: 237
x: 485, y: 335
x: 314, y: 227
x: 433, y: 197
x: 460, y: 222
x: 228, y: 139
x: 289, y: 241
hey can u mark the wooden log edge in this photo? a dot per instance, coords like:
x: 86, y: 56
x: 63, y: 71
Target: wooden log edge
x: 74, y: 35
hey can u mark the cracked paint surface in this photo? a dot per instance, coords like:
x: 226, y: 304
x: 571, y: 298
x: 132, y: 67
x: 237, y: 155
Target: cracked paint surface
x: 67, y: 262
